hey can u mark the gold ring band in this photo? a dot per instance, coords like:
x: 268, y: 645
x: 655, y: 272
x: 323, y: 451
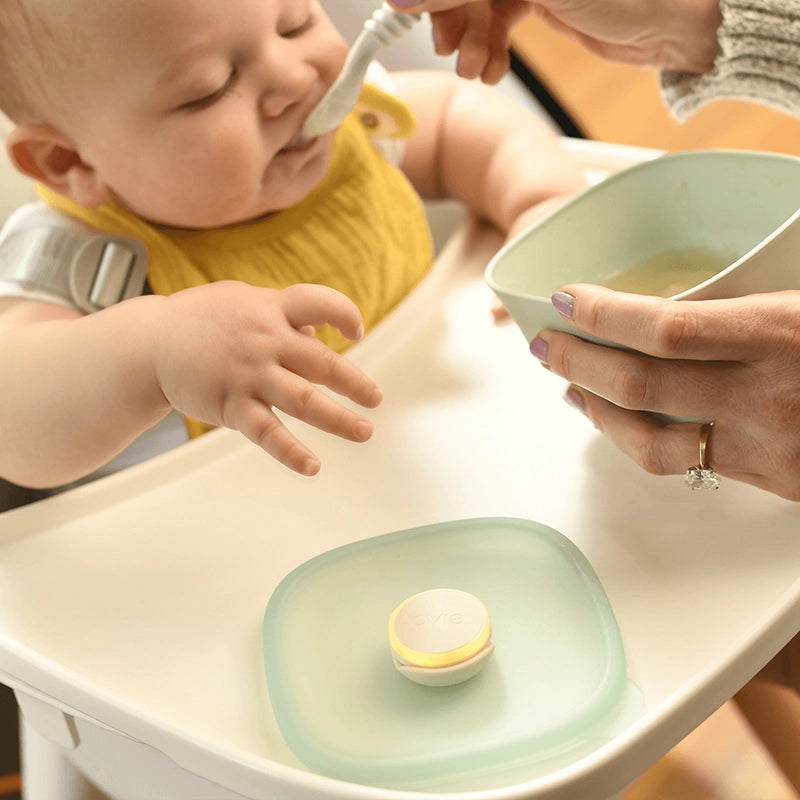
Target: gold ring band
x: 705, y: 432
x: 703, y: 476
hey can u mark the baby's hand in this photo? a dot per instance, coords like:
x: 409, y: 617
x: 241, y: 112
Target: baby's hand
x: 499, y: 312
x: 228, y: 353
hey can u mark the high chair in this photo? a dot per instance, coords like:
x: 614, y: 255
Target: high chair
x: 131, y: 607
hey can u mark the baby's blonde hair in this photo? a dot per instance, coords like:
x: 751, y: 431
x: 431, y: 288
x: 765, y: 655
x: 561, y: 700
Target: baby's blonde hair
x: 27, y: 47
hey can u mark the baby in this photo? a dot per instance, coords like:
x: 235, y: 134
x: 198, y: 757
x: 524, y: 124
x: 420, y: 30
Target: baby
x: 177, y: 123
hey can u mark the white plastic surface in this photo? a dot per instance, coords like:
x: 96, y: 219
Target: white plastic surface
x: 137, y: 601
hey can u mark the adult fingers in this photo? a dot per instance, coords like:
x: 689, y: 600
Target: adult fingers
x: 448, y: 28
x: 639, y: 382
x: 514, y: 9
x: 693, y: 329
x: 659, y: 449
x: 428, y: 5
x: 498, y: 61
x: 473, y: 48
x: 669, y: 449
x: 481, y: 39
x: 732, y: 451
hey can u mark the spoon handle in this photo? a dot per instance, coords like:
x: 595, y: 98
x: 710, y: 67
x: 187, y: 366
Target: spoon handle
x: 381, y: 29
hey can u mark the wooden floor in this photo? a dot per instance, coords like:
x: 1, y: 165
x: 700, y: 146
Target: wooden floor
x: 721, y: 760
x: 616, y: 103
x: 10, y: 783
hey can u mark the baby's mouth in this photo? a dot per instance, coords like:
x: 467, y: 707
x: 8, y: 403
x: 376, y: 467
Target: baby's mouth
x: 299, y: 143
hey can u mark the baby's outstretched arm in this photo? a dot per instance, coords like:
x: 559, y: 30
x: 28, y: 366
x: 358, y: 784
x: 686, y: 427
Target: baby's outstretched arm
x: 78, y: 389
x: 475, y: 144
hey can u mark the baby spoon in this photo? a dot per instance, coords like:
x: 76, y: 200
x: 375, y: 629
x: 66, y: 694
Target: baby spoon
x: 380, y: 29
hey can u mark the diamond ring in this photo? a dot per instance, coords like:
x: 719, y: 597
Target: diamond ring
x: 702, y: 476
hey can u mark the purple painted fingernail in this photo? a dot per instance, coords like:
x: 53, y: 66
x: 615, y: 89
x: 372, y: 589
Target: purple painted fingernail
x: 563, y: 303
x: 575, y: 399
x: 539, y: 349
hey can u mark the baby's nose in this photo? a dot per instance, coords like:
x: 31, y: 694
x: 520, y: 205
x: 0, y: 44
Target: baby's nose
x: 287, y: 85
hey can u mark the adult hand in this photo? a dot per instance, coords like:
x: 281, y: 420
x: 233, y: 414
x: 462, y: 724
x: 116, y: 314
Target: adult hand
x: 663, y: 34
x: 479, y: 30
x: 228, y: 353
x: 736, y: 361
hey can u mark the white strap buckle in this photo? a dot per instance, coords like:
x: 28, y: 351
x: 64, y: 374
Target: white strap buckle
x: 90, y: 270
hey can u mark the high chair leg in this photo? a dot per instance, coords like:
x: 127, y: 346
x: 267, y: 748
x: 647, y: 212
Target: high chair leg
x: 47, y: 773
x: 773, y: 712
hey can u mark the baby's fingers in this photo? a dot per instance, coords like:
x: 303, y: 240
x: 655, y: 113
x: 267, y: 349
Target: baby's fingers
x: 317, y: 363
x: 297, y: 397
x: 307, y: 304
x: 259, y: 423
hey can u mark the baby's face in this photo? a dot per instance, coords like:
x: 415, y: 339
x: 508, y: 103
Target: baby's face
x: 190, y: 110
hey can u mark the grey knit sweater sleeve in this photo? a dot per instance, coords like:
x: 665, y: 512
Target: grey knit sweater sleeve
x: 759, y: 60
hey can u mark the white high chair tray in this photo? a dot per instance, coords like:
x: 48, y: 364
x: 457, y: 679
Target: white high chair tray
x: 136, y: 602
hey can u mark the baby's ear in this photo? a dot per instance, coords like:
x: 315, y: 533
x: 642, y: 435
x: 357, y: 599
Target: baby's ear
x: 46, y: 155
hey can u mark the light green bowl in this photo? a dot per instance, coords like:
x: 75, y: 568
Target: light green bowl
x: 737, y: 207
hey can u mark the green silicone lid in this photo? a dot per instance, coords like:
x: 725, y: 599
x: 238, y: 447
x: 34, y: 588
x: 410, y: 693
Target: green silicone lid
x: 558, y: 670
